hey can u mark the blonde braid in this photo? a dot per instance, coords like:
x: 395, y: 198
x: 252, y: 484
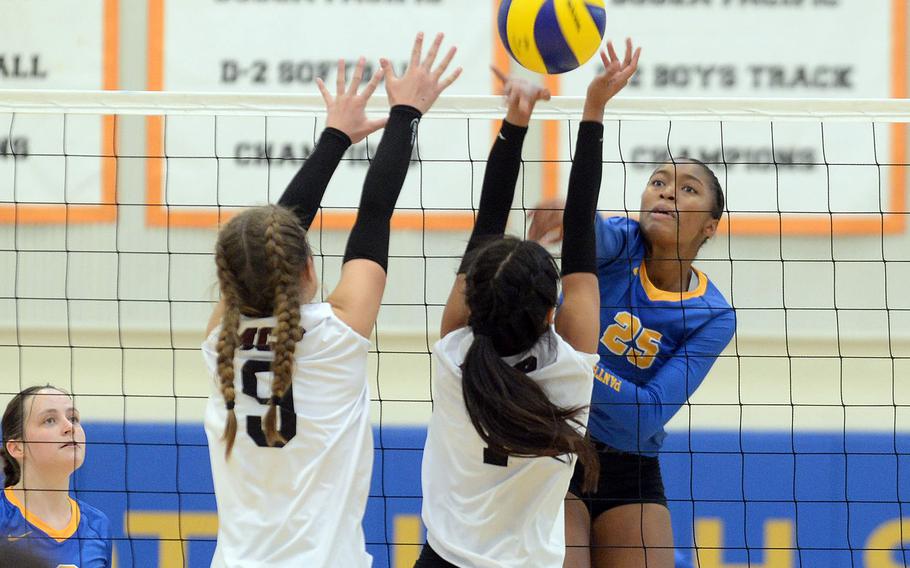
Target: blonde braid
x: 285, y: 281
x: 228, y: 340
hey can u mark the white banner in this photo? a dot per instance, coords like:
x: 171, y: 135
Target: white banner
x: 699, y: 48
x: 283, y: 47
x: 51, y: 160
x: 731, y: 48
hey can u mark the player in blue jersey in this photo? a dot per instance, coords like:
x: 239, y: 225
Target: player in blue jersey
x: 663, y: 325
x: 43, y: 444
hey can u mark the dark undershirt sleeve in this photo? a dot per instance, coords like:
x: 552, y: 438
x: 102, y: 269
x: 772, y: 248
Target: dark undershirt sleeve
x: 579, y: 245
x: 370, y: 236
x: 304, y: 194
x: 498, y: 190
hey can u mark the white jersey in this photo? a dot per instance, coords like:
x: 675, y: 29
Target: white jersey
x: 479, y: 514
x: 302, y: 504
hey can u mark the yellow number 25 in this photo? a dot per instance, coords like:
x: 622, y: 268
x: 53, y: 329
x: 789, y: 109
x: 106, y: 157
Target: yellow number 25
x: 640, y: 345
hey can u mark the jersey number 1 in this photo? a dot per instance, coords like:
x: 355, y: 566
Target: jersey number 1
x: 287, y: 414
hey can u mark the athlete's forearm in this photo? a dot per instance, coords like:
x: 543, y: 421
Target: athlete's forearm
x: 370, y: 236
x: 498, y: 188
x: 579, y: 243
x: 304, y: 194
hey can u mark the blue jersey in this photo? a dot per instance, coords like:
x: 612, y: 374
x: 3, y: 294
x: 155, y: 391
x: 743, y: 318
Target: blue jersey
x: 656, y: 347
x: 84, y: 543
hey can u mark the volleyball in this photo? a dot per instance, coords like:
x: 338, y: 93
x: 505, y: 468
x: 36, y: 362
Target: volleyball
x: 552, y: 36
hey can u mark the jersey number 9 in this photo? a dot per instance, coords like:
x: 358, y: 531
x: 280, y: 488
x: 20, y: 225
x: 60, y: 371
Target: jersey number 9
x: 287, y: 414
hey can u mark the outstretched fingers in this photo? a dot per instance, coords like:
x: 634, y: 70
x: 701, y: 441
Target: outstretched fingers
x: 450, y: 79
x: 628, y: 58
x: 417, y: 50
x: 374, y: 82
x: 611, y: 66
x: 444, y: 64
x: 499, y: 75
x: 632, y: 66
x: 326, y: 96
x: 357, y: 77
x: 434, y: 49
x: 339, y: 79
x: 611, y: 51
x: 386, y: 66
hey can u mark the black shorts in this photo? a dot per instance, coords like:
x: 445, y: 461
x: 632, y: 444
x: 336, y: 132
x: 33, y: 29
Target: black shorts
x: 625, y: 479
x: 429, y: 559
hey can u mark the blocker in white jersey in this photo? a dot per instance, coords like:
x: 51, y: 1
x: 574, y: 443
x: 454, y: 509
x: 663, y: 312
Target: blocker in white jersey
x: 315, y: 485
x: 517, y: 501
x: 512, y: 390
x: 290, y: 398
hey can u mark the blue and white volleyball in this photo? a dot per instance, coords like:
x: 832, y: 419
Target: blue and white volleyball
x: 552, y: 36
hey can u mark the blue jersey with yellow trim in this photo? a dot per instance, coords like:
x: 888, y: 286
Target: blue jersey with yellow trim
x: 84, y: 543
x: 656, y: 347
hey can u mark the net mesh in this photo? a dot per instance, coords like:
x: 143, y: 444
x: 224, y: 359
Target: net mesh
x: 792, y: 453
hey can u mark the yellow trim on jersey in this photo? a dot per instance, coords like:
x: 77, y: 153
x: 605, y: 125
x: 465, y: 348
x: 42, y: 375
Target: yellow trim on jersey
x: 578, y: 28
x: 520, y: 31
x: 655, y: 294
x: 58, y: 535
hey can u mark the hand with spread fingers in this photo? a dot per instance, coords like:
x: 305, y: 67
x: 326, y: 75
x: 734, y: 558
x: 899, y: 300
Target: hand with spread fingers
x: 346, y: 111
x: 421, y: 84
x: 614, y: 78
x: 546, y: 221
x: 521, y: 96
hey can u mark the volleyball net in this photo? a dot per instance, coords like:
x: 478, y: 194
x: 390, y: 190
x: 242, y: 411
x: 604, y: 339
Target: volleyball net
x: 792, y: 453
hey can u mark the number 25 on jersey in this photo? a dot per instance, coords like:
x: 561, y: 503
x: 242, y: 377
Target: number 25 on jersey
x: 628, y: 338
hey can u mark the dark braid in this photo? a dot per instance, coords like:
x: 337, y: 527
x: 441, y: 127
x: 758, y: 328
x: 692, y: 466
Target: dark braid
x: 227, y: 344
x: 285, y: 281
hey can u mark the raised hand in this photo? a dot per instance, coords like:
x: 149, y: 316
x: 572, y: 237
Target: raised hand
x: 615, y: 76
x: 546, y: 221
x: 521, y: 96
x: 420, y: 85
x: 346, y: 111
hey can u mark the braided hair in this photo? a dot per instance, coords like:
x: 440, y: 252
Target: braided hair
x: 260, y: 255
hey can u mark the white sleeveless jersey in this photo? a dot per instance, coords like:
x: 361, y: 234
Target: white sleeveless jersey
x: 302, y: 504
x: 483, y: 510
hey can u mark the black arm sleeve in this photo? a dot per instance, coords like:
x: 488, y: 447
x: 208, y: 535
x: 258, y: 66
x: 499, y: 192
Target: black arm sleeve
x: 498, y: 189
x: 579, y: 244
x: 304, y: 194
x: 370, y: 236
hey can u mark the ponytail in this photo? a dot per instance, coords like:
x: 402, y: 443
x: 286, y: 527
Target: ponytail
x: 514, y: 416
x: 510, y: 288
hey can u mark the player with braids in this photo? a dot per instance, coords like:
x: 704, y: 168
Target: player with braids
x: 276, y: 274
x: 288, y: 419
x: 43, y: 445
x: 511, y: 389
x: 663, y: 325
